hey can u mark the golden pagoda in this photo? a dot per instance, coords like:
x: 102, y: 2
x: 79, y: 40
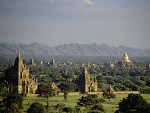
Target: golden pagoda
x: 126, y: 62
x: 126, y: 58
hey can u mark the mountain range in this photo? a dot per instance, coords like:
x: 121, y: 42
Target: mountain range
x: 71, y: 49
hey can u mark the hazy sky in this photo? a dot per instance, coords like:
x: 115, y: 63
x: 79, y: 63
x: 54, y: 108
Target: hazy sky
x: 55, y: 22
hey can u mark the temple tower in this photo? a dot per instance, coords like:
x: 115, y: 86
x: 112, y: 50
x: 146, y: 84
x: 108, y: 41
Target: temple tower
x: 32, y: 62
x: 17, y: 76
x: 85, y: 83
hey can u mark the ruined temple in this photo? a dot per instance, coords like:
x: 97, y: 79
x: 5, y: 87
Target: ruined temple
x: 17, y: 78
x: 85, y: 83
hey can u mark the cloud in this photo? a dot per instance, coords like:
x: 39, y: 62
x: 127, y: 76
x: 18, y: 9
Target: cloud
x: 88, y: 2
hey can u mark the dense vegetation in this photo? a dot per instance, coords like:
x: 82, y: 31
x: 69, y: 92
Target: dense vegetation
x: 67, y: 70
x: 11, y: 104
x: 65, y: 74
x: 134, y: 103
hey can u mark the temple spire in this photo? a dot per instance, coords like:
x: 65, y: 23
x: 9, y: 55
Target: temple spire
x: 18, y: 55
x: 18, y: 60
x: 84, y: 68
x: 125, y: 57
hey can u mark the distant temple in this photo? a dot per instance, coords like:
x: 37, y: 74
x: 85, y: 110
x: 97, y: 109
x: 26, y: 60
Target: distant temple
x: 52, y: 63
x: 85, y: 83
x: 126, y: 62
x: 18, y: 79
x: 126, y: 58
x: 110, y: 89
x: 32, y: 62
x: 55, y: 88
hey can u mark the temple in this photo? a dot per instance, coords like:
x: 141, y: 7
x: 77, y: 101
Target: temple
x: 32, y: 62
x: 126, y: 62
x: 126, y: 58
x: 55, y: 88
x: 18, y: 79
x: 85, y: 83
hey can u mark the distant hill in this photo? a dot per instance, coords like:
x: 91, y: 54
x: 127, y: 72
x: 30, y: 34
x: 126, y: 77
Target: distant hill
x: 71, y: 49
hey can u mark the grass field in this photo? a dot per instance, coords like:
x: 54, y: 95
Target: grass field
x: 110, y: 107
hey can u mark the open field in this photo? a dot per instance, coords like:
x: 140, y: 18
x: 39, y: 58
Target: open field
x: 110, y: 107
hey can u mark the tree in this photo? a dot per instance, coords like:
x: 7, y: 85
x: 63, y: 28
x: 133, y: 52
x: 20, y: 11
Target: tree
x: 108, y: 95
x: 59, y: 106
x: 45, y: 90
x: 65, y: 95
x: 148, y: 82
x: 13, y: 98
x: 3, y: 89
x: 67, y: 109
x: 97, y: 108
x: 11, y: 104
x: 36, y: 108
x: 134, y: 103
x: 67, y: 86
x: 89, y: 101
x: 14, y: 108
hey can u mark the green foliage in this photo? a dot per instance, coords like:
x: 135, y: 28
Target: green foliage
x: 122, y: 79
x: 59, y: 106
x: 89, y: 101
x: 65, y: 94
x: 45, y: 90
x: 67, y: 86
x: 109, y: 95
x: 71, y: 102
x: 11, y: 104
x: 36, y: 108
x: 134, y: 103
x: 77, y: 109
x: 3, y: 89
x: 98, y: 107
x: 23, y: 94
x: 62, y: 108
x: 13, y: 98
x: 95, y: 111
x: 145, y: 90
x: 67, y: 109
x: 14, y: 108
x: 148, y: 82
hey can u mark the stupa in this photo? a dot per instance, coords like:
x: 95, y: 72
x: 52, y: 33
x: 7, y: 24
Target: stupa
x: 126, y: 58
x: 126, y: 62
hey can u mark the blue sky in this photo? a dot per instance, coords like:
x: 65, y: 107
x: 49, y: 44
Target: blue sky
x: 55, y: 22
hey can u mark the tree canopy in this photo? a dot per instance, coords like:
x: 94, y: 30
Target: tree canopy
x: 36, y: 108
x: 134, y: 103
x: 11, y: 104
x: 45, y: 90
x: 90, y: 101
